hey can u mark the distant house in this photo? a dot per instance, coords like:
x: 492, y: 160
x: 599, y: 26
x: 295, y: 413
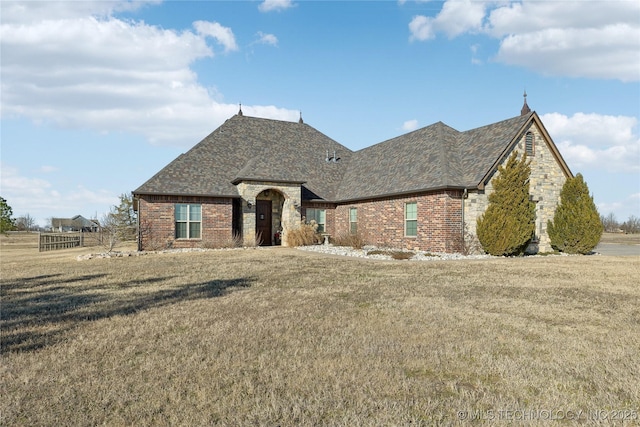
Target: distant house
x: 77, y: 223
x: 423, y: 189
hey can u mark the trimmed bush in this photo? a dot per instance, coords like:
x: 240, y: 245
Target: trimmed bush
x: 508, y: 224
x: 576, y: 227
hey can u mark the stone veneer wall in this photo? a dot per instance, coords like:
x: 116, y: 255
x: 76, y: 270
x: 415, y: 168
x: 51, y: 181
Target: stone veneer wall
x: 546, y: 181
x: 290, y: 215
x: 157, y: 222
x: 381, y: 222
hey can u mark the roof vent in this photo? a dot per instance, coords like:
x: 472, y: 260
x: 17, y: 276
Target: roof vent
x: 333, y: 158
x: 240, y: 111
x: 301, y: 121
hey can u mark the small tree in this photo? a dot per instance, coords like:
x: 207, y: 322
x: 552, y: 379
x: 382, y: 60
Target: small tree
x: 120, y: 224
x: 25, y: 223
x: 7, y: 223
x: 110, y: 231
x: 576, y: 227
x: 124, y: 219
x: 632, y: 225
x: 610, y: 222
x: 508, y: 224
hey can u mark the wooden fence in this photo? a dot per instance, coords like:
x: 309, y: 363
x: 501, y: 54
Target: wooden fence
x: 55, y: 241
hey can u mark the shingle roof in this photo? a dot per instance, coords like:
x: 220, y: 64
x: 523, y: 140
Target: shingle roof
x: 77, y: 221
x: 249, y: 148
x: 434, y: 157
x: 255, y: 149
x: 408, y: 163
x: 480, y: 148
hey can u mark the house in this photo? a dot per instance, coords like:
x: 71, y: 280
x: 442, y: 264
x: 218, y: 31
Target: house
x: 77, y: 223
x: 421, y: 190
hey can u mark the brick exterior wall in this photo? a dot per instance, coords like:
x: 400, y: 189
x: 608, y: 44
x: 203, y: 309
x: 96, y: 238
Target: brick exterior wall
x: 157, y: 222
x: 381, y: 222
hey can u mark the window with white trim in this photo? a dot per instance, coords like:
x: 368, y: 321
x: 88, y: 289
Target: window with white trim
x: 319, y: 216
x: 188, y: 221
x: 411, y: 219
x: 353, y: 220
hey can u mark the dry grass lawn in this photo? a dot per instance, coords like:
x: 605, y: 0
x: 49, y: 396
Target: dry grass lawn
x: 621, y: 238
x: 284, y: 337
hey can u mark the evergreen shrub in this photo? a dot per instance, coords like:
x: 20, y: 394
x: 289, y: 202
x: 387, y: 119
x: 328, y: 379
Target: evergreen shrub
x: 508, y: 224
x: 576, y: 227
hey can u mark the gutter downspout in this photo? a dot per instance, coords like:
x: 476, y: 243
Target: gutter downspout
x: 465, y: 194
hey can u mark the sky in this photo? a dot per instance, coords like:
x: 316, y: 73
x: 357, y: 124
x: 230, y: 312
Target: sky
x: 97, y: 96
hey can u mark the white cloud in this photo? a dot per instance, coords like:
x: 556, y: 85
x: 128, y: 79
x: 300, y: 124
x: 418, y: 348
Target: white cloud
x: 269, y: 39
x: 422, y: 28
x: 34, y: 11
x: 623, y: 208
x: 410, y: 125
x: 455, y: 18
x: 475, y: 48
x: 223, y: 35
x: 595, y: 141
x: 275, y: 5
x: 39, y: 198
x: 15, y: 184
x: 609, y: 52
x: 578, y: 38
x: 111, y: 75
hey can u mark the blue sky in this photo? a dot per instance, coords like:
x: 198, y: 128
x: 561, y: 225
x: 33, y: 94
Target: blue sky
x: 98, y: 96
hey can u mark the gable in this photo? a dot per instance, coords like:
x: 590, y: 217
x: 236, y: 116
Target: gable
x: 431, y: 158
x: 533, y: 124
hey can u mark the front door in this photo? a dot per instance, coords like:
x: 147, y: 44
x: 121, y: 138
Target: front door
x: 263, y: 221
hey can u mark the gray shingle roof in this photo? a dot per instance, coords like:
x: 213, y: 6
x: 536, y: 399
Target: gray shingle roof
x: 249, y: 148
x: 256, y: 149
x: 434, y: 157
x: 408, y: 163
x: 480, y: 148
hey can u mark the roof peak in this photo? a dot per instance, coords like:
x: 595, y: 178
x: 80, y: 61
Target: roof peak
x: 525, y: 108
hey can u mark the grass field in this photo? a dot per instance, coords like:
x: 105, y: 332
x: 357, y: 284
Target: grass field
x: 284, y: 337
x: 621, y: 238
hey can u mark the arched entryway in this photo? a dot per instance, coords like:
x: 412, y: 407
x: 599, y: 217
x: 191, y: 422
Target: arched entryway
x: 284, y: 208
x: 269, y: 208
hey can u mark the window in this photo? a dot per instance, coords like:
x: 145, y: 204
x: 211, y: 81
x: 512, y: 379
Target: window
x: 319, y: 216
x: 353, y: 220
x: 188, y: 221
x: 411, y: 219
x: 529, y: 143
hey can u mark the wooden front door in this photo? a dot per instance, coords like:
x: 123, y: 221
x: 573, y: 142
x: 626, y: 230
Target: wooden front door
x: 263, y: 221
